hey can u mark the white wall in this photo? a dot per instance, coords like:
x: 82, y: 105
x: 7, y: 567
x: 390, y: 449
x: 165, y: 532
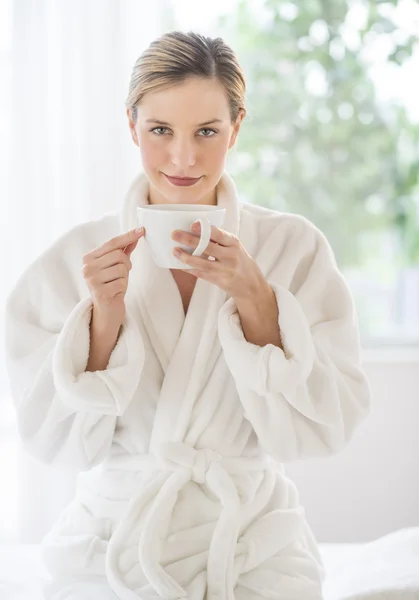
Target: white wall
x: 372, y: 486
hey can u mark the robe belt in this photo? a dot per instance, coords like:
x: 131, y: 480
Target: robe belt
x: 174, y: 465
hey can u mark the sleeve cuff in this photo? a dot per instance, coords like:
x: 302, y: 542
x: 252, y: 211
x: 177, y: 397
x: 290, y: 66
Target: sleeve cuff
x: 269, y: 369
x: 105, y: 392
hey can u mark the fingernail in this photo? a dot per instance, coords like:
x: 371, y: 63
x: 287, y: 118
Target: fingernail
x: 195, y: 226
x: 139, y: 230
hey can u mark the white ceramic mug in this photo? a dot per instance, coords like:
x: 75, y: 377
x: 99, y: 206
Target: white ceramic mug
x: 160, y: 220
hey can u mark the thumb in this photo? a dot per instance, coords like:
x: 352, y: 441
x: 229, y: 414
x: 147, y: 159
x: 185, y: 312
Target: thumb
x: 130, y: 248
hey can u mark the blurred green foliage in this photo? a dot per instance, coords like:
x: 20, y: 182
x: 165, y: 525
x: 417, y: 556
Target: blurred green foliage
x: 317, y: 141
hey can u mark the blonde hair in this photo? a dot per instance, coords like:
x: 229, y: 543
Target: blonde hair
x: 176, y: 56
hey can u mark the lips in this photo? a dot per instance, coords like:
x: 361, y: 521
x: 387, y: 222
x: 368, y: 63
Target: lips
x: 182, y: 181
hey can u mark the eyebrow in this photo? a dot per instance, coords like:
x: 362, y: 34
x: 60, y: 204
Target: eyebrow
x: 200, y: 125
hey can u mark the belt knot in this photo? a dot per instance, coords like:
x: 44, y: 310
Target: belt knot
x: 181, y: 456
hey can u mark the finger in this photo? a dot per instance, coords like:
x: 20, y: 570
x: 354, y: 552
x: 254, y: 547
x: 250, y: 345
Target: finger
x: 192, y: 241
x: 112, y: 258
x: 113, y: 273
x: 200, y: 274
x: 196, y: 262
x: 118, y: 242
x: 219, y: 236
x: 128, y: 250
x: 207, y: 256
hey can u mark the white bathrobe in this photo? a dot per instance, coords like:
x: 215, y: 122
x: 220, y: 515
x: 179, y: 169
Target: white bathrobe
x: 181, y: 440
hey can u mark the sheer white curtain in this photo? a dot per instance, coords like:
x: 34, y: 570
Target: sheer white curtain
x: 70, y: 158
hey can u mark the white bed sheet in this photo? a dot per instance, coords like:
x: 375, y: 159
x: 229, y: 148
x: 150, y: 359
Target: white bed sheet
x: 21, y: 572
x: 385, y: 569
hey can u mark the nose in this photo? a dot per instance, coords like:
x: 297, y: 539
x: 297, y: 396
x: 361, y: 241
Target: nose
x: 183, y: 154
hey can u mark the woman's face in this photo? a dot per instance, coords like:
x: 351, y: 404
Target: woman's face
x: 184, y: 131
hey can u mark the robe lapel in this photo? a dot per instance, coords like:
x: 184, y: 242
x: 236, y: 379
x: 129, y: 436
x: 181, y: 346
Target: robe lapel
x: 151, y: 289
x: 187, y: 347
x: 156, y: 294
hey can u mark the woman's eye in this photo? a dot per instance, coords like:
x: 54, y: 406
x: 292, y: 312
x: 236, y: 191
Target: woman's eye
x: 210, y: 131
x: 159, y: 130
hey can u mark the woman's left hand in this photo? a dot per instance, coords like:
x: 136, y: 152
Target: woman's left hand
x: 233, y: 269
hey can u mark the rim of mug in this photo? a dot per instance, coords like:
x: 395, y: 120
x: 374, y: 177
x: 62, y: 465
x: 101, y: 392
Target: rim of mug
x: 184, y: 208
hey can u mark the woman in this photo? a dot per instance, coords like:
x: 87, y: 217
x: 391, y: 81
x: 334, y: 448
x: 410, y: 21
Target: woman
x: 187, y: 391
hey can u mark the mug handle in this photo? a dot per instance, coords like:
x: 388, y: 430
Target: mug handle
x: 205, y: 236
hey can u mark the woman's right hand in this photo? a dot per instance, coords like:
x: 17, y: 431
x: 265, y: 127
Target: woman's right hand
x: 106, y: 270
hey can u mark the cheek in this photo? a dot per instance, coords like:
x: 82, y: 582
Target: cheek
x: 216, y: 150
x: 151, y: 153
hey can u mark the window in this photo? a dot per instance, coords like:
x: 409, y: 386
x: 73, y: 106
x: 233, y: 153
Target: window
x: 333, y: 134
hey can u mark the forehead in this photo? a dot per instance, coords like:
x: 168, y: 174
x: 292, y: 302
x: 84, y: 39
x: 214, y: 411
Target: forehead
x: 194, y: 100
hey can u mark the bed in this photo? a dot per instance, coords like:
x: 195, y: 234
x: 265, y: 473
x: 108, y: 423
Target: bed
x: 385, y: 569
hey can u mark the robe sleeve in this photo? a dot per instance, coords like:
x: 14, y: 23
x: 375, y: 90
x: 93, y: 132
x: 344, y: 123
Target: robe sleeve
x: 305, y: 400
x: 65, y: 416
